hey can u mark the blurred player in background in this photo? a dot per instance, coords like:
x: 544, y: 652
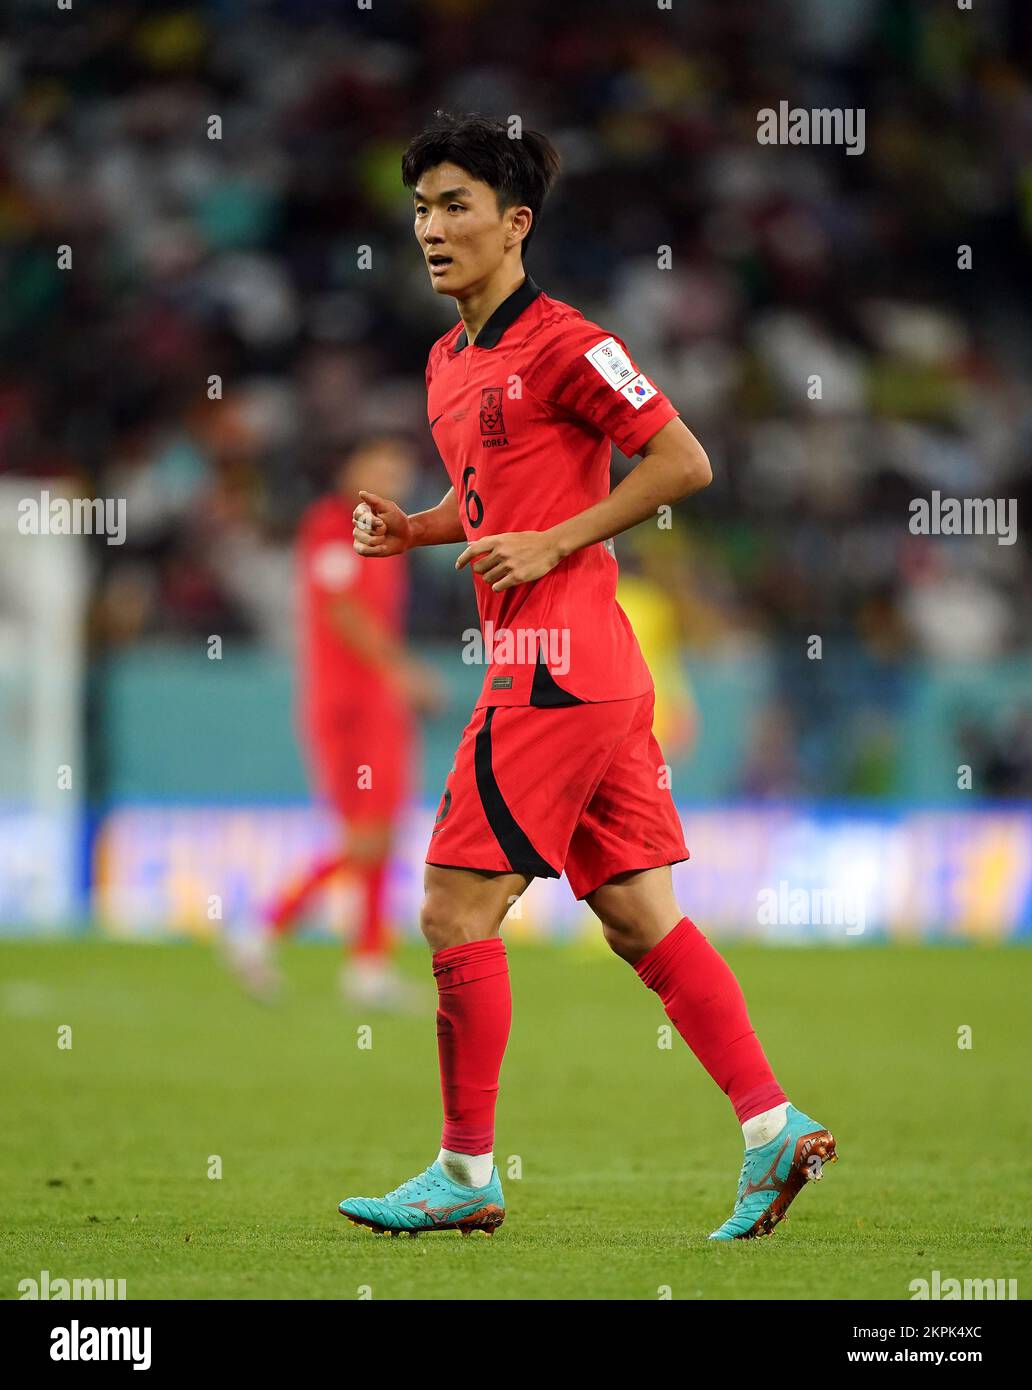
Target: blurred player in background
x: 360, y: 690
x: 653, y: 613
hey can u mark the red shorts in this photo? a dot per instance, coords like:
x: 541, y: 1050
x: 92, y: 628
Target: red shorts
x: 361, y: 758
x: 542, y: 791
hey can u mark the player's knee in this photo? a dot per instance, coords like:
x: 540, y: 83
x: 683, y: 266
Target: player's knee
x: 444, y: 922
x: 632, y: 925
x: 369, y: 843
x: 624, y: 939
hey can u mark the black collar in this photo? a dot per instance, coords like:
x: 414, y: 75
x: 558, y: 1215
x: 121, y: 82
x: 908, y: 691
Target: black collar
x: 503, y: 317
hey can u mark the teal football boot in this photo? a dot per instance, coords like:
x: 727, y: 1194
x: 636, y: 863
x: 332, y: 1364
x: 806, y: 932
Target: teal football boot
x: 430, y: 1202
x: 773, y: 1173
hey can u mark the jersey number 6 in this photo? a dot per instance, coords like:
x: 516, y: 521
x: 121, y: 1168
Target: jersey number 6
x: 472, y: 498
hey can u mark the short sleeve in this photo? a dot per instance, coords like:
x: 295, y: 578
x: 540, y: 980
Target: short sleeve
x: 590, y: 374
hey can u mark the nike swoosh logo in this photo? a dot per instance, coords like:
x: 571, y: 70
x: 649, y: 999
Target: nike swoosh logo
x: 434, y: 421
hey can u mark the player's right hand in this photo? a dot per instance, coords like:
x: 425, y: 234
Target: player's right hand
x: 392, y: 529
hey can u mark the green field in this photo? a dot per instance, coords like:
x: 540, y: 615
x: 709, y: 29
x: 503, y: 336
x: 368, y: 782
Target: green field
x: 629, y: 1154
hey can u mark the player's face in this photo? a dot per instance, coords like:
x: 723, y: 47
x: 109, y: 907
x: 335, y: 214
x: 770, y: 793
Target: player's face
x: 385, y: 469
x: 460, y: 232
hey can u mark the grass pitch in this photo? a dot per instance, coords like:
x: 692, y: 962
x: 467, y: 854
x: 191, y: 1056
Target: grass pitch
x: 628, y: 1154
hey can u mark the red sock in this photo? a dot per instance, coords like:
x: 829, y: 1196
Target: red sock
x: 372, y: 938
x: 283, y: 913
x: 474, y: 1012
x: 704, y: 1002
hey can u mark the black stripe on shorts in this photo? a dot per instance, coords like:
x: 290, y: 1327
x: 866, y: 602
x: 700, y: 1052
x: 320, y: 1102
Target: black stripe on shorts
x: 521, y: 854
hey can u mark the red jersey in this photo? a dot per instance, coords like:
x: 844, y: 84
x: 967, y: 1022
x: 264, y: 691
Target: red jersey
x: 333, y: 675
x: 523, y: 420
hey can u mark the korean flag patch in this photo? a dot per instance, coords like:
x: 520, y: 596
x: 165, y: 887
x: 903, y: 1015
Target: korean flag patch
x: 638, y: 391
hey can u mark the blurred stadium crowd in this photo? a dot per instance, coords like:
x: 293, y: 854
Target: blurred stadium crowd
x: 239, y: 257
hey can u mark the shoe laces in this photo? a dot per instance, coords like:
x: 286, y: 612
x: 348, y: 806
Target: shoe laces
x: 425, y: 1179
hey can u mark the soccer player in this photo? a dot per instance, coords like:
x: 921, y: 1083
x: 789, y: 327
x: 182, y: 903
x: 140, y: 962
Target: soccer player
x: 557, y: 770
x: 360, y: 690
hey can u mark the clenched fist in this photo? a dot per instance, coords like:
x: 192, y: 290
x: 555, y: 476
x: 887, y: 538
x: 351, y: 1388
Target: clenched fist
x: 381, y: 527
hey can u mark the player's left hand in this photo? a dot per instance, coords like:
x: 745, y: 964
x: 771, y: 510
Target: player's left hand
x: 515, y: 557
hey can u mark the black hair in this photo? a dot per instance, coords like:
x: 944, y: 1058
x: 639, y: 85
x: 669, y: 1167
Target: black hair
x: 520, y: 170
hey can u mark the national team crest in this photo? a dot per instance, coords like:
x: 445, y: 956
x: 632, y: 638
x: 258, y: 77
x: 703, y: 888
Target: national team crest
x: 491, y: 421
